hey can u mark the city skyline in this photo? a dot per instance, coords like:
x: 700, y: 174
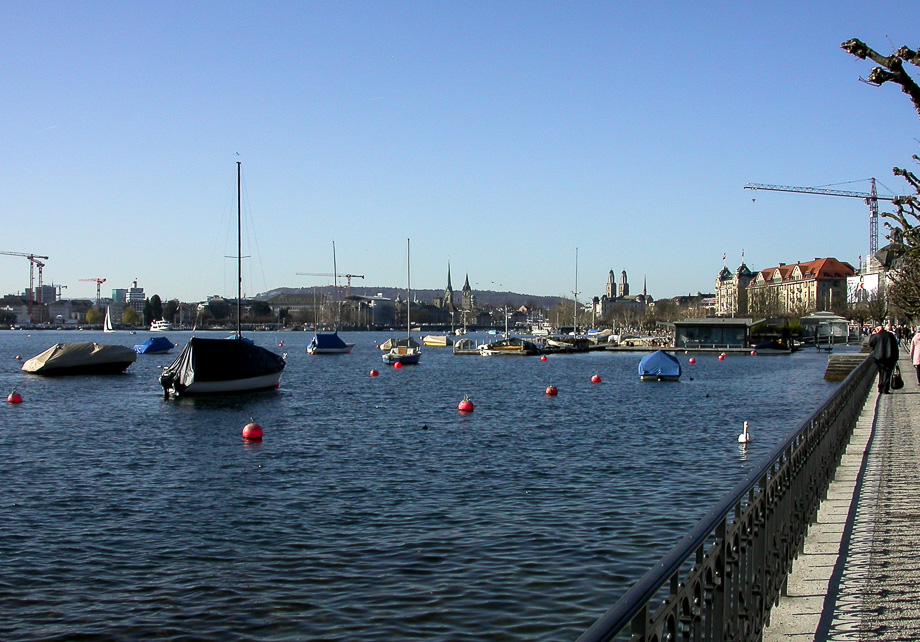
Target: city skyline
x: 499, y: 137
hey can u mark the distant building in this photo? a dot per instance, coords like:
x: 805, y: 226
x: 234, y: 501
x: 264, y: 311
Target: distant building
x: 801, y: 288
x: 731, y: 291
x: 618, y: 294
x: 136, y: 298
x: 784, y: 290
x: 713, y: 333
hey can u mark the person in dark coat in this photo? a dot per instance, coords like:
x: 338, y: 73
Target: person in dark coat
x: 884, y: 346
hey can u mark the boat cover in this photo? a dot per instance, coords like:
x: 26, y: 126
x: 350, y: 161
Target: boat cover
x: 154, y: 345
x: 327, y: 341
x: 659, y: 364
x: 81, y: 358
x: 220, y: 360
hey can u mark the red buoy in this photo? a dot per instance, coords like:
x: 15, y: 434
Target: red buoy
x: 543, y: 358
x: 281, y: 344
x: 722, y: 357
x: 18, y: 358
x: 466, y: 405
x: 691, y: 360
x: 252, y: 431
x: 374, y: 373
x: 596, y: 379
x: 753, y: 353
x: 552, y: 391
x: 397, y: 365
x: 14, y: 397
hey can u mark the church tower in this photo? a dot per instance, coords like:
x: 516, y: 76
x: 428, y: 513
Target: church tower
x: 624, y: 285
x: 448, y: 300
x: 611, y: 285
x: 468, y: 301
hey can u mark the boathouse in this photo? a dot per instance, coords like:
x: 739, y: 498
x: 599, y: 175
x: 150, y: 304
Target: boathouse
x: 713, y: 333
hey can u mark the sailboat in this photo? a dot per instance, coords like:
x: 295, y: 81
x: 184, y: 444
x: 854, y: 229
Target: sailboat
x: 407, y: 352
x: 107, y: 324
x: 330, y: 342
x: 224, y: 366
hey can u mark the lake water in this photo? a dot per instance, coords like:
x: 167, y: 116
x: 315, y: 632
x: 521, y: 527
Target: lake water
x: 372, y: 509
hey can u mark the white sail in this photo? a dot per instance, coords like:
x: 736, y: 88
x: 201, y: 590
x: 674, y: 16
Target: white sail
x: 107, y: 326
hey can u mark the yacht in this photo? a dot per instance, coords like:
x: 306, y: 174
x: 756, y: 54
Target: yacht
x: 160, y: 326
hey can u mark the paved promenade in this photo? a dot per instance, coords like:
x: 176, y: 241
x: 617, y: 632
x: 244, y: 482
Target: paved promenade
x: 859, y: 576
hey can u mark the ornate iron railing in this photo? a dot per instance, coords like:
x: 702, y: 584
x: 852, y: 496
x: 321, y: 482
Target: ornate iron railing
x: 721, y: 580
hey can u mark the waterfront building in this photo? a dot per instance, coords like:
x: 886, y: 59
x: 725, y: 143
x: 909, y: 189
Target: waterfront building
x: 732, y: 290
x: 713, y: 333
x: 800, y: 288
x: 136, y: 298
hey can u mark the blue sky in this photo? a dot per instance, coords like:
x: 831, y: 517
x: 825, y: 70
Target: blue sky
x: 499, y: 136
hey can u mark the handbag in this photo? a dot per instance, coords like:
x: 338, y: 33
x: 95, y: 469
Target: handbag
x: 897, y: 382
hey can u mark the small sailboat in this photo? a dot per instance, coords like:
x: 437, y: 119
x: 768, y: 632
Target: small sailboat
x: 330, y: 342
x: 407, y: 352
x: 107, y: 324
x: 224, y: 366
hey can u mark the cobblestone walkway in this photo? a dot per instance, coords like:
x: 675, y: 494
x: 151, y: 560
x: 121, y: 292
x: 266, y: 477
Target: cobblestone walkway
x: 859, y: 576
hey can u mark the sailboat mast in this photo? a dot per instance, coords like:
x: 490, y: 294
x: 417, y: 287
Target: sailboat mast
x: 408, y: 293
x: 575, y: 295
x: 239, y: 253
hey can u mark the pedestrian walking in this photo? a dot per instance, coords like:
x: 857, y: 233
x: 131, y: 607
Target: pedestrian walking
x: 884, y: 346
x: 915, y: 353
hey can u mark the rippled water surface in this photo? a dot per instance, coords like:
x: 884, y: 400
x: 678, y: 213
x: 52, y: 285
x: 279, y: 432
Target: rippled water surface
x: 372, y: 509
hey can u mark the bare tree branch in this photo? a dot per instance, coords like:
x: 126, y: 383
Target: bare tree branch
x: 893, y: 64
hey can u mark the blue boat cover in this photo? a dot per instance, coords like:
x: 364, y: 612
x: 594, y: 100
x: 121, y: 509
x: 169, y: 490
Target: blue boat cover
x: 327, y: 341
x: 659, y: 364
x: 154, y: 345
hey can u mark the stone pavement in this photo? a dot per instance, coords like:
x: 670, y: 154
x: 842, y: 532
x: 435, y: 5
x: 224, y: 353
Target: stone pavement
x: 859, y: 575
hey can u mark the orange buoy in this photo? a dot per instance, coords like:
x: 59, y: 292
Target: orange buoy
x: 374, y: 373
x: 252, y: 431
x: 543, y: 358
x: 691, y: 360
x: 552, y: 391
x: 596, y: 379
x: 397, y: 365
x: 14, y: 397
x: 466, y: 405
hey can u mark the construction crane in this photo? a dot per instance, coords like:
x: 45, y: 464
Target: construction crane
x: 871, y: 199
x: 348, y: 278
x: 99, y: 283
x: 34, y: 261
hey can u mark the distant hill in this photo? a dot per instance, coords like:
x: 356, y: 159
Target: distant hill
x: 483, y: 297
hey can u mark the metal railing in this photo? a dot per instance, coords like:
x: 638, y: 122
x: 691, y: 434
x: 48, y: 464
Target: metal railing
x: 721, y: 580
